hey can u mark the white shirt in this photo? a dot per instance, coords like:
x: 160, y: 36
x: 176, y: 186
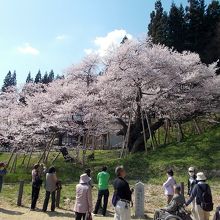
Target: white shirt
x: 168, y: 186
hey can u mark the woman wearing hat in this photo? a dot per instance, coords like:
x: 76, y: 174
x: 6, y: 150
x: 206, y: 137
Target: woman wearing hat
x: 83, y: 204
x: 201, y: 192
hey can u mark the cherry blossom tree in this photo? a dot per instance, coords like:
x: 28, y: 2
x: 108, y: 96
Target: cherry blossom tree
x: 134, y: 89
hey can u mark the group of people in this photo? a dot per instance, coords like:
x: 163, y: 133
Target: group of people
x: 121, y: 198
x: 199, y: 193
x: 84, y: 204
x: 51, y: 185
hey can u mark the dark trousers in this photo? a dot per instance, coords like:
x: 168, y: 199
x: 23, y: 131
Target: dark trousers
x: 34, y: 196
x: 46, y: 201
x: 80, y: 216
x: 1, y: 183
x: 102, y: 193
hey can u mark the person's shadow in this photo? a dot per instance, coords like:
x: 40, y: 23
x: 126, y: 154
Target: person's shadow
x: 10, y: 212
x: 60, y: 214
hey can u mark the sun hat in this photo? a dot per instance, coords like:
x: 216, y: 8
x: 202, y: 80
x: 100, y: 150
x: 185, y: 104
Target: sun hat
x: 118, y: 169
x: 84, y: 178
x: 191, y: 169
x: 201, y: 176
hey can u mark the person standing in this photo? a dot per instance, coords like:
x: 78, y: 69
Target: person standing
x: 36, y: 184
x: 122, y: 195
x: 3, y: 172
x: 88, y: 172
x: 191, y: 180
x: 50, y: 186
x: 103, y: 180
x: 169, y: 186
x: 83, y: 204
x: 191, y: 184
x: 202, y: 194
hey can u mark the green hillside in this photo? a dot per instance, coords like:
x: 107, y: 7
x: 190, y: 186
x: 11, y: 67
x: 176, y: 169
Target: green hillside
x: 201, y: 151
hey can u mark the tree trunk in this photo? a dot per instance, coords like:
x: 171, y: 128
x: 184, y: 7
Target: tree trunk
x: 180, y: 134
x: 136, y: 136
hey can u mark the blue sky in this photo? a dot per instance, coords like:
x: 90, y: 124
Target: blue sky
x: 53, y: 34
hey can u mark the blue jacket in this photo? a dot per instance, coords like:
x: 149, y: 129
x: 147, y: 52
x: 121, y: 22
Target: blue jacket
x: 3, y: 172
x: 197, y: 193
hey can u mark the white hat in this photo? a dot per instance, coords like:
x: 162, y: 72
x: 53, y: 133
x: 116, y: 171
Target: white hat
x: 201, y: 176
x: 84, y: 178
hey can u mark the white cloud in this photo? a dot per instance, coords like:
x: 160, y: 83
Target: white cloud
x: 28, y: 49
x: 88, y: 51
x: 105, y: 44
x: 62, y: 37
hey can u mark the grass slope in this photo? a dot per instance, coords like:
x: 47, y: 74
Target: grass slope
x: 201, y: 151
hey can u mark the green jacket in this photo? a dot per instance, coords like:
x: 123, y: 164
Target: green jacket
x: 103, y: 179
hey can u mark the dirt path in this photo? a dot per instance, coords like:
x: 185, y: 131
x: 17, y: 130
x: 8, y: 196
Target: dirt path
x: 21, y: 213
x: 8, y: 212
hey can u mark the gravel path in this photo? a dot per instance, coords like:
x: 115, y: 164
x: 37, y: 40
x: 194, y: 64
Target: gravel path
x: 21, y: 213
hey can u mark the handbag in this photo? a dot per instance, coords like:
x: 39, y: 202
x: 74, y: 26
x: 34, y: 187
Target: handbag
x: 88, y: 216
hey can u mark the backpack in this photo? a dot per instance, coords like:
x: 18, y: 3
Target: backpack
x: 217, y: 214
x: 206, y: 199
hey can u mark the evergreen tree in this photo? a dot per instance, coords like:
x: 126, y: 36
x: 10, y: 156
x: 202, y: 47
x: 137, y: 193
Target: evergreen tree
x: 14, y: 79
x: 211, y: 50
x: 7, y: 81
x: 51, y: 76
x: 195, y: 25
x: 45, y: 78
x: 59, y: 77
x: 125, y: 38
x: 158, y: 27
x: 29, y: 78
x: 38, y: 77
x: 176, y: 27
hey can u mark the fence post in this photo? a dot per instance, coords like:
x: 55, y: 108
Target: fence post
x: 58, y: 194
x: 182, y: 188
x: 20, y: 193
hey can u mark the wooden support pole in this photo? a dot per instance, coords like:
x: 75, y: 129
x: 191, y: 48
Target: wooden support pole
x: 182, y: 188
x: 197, y: 128
x: 158, y: 136
x: 56, y: 157
x: 49, y: 149
x: 29, y: 159
x: 15, y: 163
x: 20, y: 193
x: 125, y: 143
x: 166, y: 132
x: 84, y: 149
x: 43, y: 155
x: 58, y: 198
x: 144, y: 133
x: 22, y: 163
x: 10, y: 158
x: 150, y: 132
